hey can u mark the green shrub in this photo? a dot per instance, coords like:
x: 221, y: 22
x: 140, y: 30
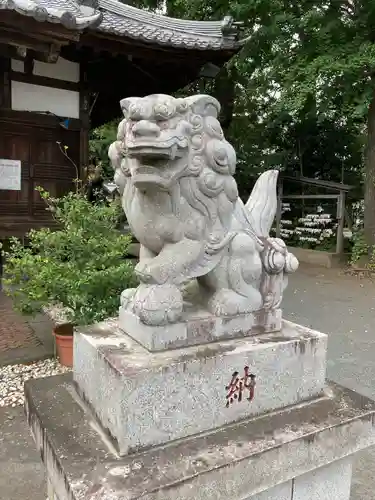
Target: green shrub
x: 100, y: 140
x: 80, y: 266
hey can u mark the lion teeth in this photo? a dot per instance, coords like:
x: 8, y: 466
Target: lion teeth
x: 173, y: 151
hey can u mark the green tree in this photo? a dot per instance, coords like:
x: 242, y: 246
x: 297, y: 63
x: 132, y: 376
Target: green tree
x: 100, y: 140
x: 317, y: 57
x: 302, y: 83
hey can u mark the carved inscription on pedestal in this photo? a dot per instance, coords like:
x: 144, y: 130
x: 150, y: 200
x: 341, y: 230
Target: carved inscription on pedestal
x: 240, y: 387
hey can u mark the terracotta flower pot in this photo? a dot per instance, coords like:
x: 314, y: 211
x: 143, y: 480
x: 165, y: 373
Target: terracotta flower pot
x: 64, y: 344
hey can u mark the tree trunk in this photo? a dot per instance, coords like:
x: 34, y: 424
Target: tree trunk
x: 224, y: 91
x: 369, y: 187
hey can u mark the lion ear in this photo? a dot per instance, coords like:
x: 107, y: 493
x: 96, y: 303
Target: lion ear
x: 203, y: 105
x: 126, y: 103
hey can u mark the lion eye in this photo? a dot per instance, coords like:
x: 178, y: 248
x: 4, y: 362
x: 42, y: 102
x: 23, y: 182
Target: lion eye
x: 163, y: 124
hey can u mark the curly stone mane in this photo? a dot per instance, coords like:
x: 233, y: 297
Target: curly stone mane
x: 210, y: 189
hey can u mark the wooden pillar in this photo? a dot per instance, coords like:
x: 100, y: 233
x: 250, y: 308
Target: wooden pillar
x: 5, y: 86
x: 84, y: 115
x: 340, y: 222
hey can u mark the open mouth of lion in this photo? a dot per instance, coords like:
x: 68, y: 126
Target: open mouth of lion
x: 150, y: 172
x: 146, y: 181
x: 154, y: 160
x: 151, y: 152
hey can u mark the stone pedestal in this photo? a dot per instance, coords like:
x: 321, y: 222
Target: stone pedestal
x: 158, y: 397
x: 245, y: 418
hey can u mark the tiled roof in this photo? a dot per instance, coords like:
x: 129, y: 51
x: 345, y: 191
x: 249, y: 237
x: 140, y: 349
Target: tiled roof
x: 69, y: 13
x: 115, y: 18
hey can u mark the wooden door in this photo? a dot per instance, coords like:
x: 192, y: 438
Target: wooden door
x: 50, y: 169
x: 42, y: 164
x: 15, y: 145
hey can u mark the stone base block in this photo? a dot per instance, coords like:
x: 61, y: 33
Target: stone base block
x: 299, y: 453
x: 331, y: 482
x: 145, y: 399
x: 198, y: 327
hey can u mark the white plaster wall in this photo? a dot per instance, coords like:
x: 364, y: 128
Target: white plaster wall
x: 61, y: 70
x: 28, y: 97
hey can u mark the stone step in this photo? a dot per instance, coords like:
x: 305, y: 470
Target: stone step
x: 300, y: 453
x: 145, y: 398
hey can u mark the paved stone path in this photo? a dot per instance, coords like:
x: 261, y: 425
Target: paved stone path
x: 23, y: 339
x: 14, y: 331
x: 342, y: 306
x: 21, y: 470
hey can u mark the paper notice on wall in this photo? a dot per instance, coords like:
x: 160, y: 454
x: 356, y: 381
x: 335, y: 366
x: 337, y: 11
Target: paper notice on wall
x: 10, y: 175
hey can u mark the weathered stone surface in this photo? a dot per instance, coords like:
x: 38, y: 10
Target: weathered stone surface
x: 236, y: 461
x: 146, y: 398
x: 280, y: 492
x: 174, y: 170
x: 198, y: 326
x: 331, y: 482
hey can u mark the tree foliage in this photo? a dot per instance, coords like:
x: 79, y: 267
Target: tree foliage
x: 302, y: 87
x: 100, y: 140
x: 314, y: 61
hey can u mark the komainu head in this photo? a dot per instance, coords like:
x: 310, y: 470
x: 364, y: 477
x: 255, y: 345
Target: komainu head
x: 163, y: 140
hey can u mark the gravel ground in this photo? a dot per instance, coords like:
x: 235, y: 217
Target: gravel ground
x: 12, y: 378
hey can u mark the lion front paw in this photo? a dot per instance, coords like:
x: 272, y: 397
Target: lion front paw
x: 158, y: 304
x: 151, y: 273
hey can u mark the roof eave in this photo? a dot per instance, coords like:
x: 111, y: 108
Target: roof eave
x: 111, y: 17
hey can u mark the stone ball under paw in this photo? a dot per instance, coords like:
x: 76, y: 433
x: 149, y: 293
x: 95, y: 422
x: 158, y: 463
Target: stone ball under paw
x: 158, y: 304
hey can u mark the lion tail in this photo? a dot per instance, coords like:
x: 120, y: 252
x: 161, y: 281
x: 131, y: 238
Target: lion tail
x: 262, y: 203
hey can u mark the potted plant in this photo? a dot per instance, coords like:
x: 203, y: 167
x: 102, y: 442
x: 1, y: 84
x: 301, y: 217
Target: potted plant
x: 63, y: 334
x: 78, y: 269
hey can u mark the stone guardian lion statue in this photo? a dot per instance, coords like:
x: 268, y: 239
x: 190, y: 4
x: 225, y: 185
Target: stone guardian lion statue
x: 174, y: 170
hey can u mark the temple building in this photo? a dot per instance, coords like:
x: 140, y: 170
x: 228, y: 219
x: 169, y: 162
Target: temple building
x: 64, y: 66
